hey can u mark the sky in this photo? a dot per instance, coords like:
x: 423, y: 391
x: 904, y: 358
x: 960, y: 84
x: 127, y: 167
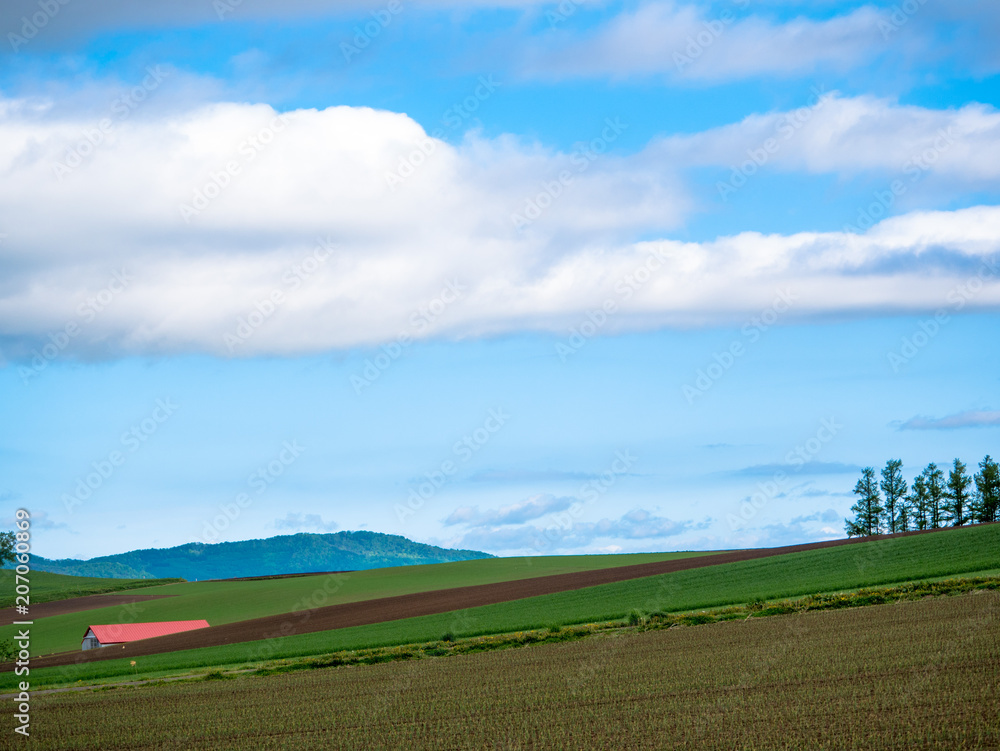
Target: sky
x: 524, y: 277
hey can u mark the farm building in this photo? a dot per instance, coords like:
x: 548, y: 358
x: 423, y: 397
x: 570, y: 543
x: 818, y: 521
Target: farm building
x: 122, y: 633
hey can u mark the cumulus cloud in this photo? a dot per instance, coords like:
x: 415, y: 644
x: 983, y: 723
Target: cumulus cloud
x: 566, y: 532
x: 684, y: 41
x: 39, y: 519
x: 802, y: 529
x: 518, y: 513
x: 831, y: 133
x: 969, y: 419
x: 294, y: 522
x: 230, y: 230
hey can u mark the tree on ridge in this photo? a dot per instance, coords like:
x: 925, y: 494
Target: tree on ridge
x: 868, y: 509
x: 894, y: 487
x: 956, y: 509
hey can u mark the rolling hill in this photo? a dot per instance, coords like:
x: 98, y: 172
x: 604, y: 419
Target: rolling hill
x: 284, y: 554
x: 965, y: 551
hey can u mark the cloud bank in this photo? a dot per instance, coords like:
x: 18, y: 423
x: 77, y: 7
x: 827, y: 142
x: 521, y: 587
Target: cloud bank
x: 685, y: 41
x: 969, y: 419
x: 236, y: 230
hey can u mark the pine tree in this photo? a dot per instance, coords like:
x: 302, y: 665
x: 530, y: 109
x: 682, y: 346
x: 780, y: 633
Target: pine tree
x: 868, y: 509
x: 987, y: 500
x: 956, y: 508
x: 934, y: 481
x: 894, y: 487
x: 903, y: 519
x: 919, y: 503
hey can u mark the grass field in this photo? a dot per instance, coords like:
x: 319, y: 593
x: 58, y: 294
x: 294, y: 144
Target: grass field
x: 226, y: 602
x: 921, y: 674
x: 967, y: 551
x: 46, y: 587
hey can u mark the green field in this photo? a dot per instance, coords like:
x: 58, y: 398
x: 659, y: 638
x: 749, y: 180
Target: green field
x: 46, y: 587
x: 962, y: 551
x: 921, y: 674
x: 226, y: 602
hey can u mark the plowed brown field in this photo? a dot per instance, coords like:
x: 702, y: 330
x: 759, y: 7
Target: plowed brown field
x: 413, y: 605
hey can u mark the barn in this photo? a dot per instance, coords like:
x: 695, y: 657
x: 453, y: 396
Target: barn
x: 123, y: 633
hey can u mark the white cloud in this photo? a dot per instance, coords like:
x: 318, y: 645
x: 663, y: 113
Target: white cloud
x: 846, y: 136
x: 969, y: 419
x: 39, y: 520
x: 683, y: 41
x: 323, y: 174
x: 801, y: 529
x: 295, y: 522
x: 518, y: 513
x: 566, y: 532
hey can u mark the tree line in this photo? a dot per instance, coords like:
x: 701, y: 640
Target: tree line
x: 889, y: 505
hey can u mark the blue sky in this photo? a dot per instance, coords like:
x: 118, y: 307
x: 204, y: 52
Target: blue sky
x: 515, y: 276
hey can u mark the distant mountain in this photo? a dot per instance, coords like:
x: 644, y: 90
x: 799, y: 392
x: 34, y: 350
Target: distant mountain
x: 285, y: 554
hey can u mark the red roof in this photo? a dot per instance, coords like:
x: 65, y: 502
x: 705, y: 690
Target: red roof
x: 119, y: 633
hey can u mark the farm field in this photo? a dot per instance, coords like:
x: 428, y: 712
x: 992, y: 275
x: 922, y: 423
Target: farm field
x: 920, y: 674
x: 46, y: 587
x: 230, y: 601
x: 298, y: 619
x: 960, y: 551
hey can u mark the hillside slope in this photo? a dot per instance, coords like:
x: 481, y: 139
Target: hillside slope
x: 300, y: 553
x: 48, y: 587
x: 677, y: 584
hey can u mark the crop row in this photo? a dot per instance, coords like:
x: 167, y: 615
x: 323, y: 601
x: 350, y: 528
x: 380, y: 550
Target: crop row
x: 916, y: 674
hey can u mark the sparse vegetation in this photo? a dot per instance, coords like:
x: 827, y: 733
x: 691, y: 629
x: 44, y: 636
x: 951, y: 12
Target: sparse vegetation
x: 869, y: 564
x: 802, y: 681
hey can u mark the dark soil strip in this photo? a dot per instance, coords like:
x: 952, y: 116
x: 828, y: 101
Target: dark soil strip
x: 276, y: 576
x: 385, y: 609
x: 74, y: 605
